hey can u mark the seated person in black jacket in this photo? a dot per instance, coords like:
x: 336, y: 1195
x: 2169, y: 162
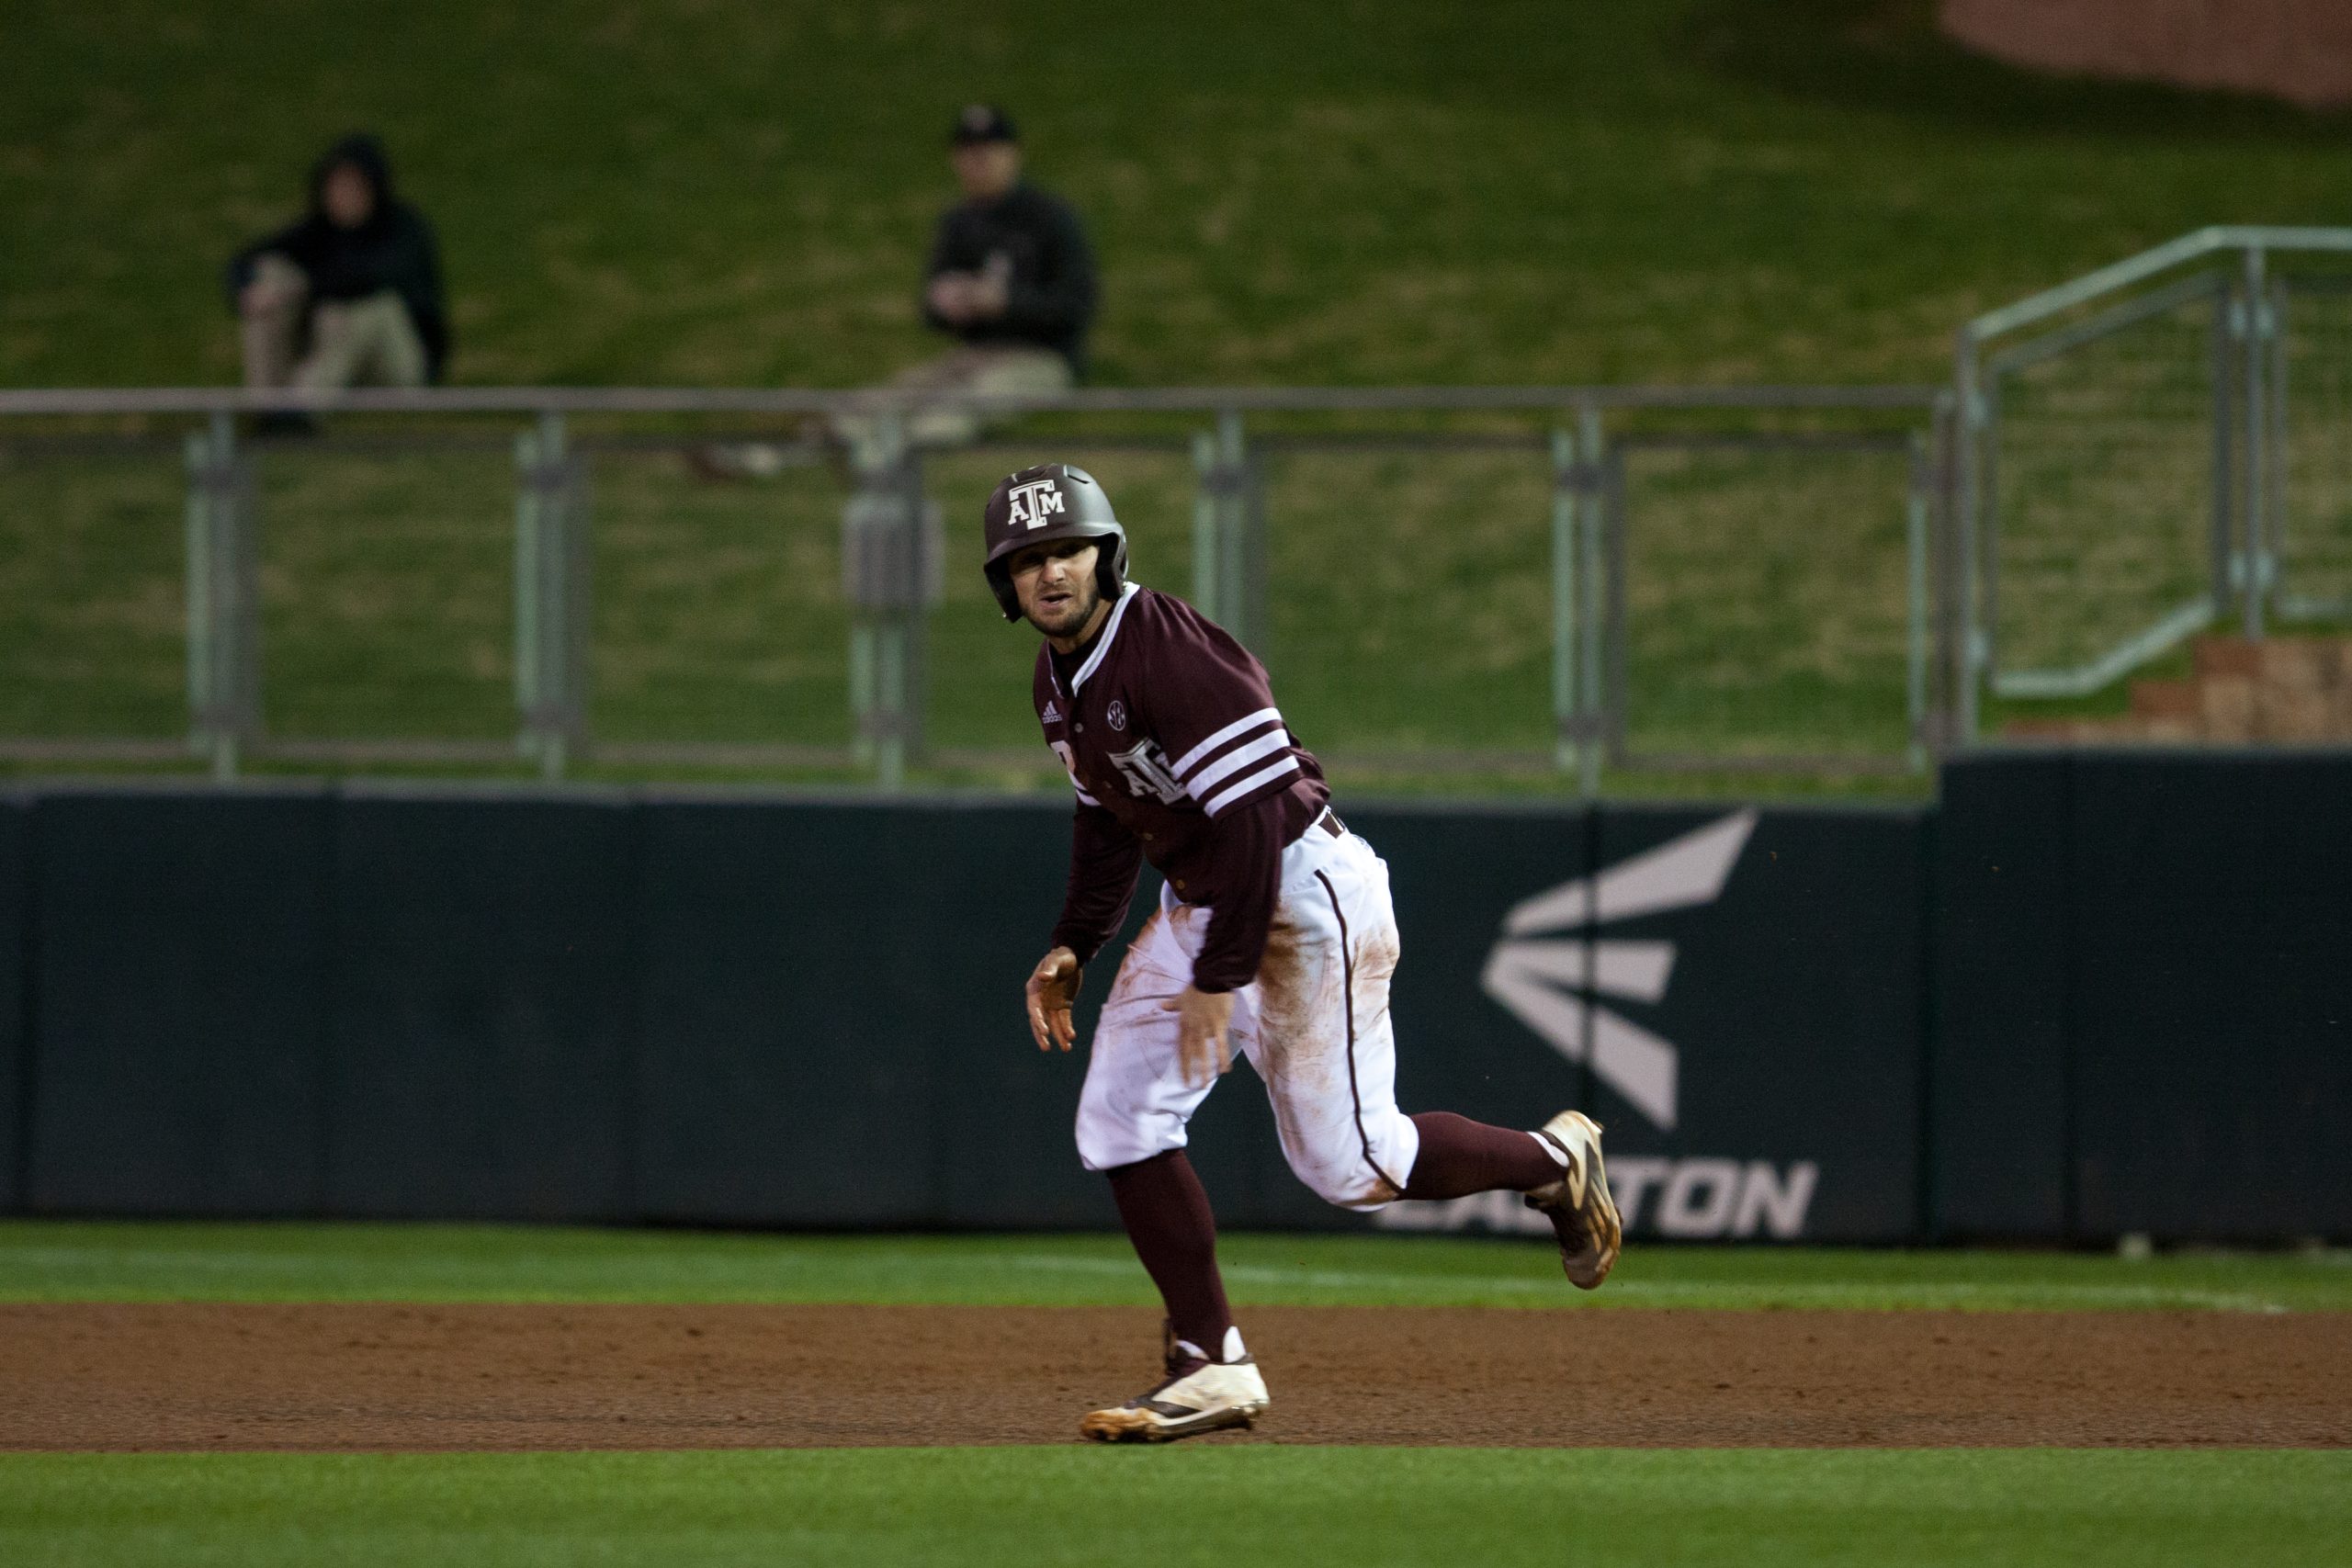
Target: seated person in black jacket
x: 351, y: 295
x: 1010, y: 274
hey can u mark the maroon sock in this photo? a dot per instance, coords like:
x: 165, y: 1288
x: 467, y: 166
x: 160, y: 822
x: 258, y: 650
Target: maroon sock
x: 1167, y: 1214
x: 1459, y: 1156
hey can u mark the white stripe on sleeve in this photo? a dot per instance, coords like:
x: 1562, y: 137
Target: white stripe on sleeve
x: 1201, y: 783
x: 1237, y: 727
x: 1234, y: 792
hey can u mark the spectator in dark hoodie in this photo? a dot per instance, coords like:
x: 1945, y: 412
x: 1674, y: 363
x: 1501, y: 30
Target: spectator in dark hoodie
x: 350, y: 295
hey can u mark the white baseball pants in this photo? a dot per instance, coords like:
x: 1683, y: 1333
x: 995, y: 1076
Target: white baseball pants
x: 1315, y: 1024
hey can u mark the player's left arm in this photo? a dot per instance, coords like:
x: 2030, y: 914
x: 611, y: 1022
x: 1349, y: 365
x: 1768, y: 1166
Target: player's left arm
x: 1230, y: 751
x: 1248, y: 846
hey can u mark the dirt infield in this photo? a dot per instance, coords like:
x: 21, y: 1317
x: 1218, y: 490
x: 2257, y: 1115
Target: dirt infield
x: 389, y: 1377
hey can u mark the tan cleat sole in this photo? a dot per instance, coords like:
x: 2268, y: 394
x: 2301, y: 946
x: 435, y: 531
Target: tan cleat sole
x: 1128, y: 1424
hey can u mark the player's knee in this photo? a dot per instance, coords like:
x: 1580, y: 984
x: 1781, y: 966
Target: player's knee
x: 1107, y: 1140
x: 1347, y: 1183
x: 1362, y: 1162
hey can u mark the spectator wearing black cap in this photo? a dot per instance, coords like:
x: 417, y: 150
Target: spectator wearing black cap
x: 1011, y: 275
x: 350, y: 295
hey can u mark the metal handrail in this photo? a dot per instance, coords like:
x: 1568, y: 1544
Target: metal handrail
x: 890, y: 551
x: 878, y: 399
x: 2148, y: 264
x: 1975, y: 368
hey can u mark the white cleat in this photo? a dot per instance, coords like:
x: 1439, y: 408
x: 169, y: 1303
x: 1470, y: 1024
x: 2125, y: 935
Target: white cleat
x: 1211, y: 1396
x: 1582, y: 1211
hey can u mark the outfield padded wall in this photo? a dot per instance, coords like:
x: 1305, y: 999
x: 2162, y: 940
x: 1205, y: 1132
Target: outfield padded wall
x: 1786, y: 968
x: 2000, y: 1000
x: 833, y: 1029
x: 2213, y: 1006
x: 16, y: 893
x: 771, y: 1078
x: 483, y: 1028
x: 583, y: 1005
x: 1795, y: 1002
x: 2143, y: 994
x: 2080, y: 996
x: 179, y: 1022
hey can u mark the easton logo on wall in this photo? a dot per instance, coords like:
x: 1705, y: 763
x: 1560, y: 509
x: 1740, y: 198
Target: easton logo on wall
x: 1550, y: 971
x: 1544, y: 978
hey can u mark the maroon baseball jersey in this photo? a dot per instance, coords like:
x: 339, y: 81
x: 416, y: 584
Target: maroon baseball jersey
x: 1170, y: 735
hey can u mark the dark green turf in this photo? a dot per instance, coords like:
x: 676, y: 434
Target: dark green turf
x: 1221, y: 1507
x: 42, y: 1261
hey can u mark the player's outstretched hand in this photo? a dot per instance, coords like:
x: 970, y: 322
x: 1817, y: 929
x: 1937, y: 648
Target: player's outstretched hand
x: 1203, y: 1047
x: 1052, y: 986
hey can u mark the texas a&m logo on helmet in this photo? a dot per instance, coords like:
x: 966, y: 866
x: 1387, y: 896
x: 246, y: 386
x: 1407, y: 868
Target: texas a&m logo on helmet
x: 1032, y: 504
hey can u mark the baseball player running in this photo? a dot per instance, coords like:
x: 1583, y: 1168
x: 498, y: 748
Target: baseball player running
x: 1273, y: 935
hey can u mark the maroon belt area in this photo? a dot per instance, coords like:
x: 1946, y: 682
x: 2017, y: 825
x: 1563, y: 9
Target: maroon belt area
x: 1329, y: 822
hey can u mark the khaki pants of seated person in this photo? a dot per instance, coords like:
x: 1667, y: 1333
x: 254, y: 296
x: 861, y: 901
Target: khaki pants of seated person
x: 353, y: 343
x: 1001, y: 371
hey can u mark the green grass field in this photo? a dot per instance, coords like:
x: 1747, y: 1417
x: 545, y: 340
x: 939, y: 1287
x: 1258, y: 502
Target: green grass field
x: 738, y: 193
x: 1205, y: 1504
x: 56, y: 1260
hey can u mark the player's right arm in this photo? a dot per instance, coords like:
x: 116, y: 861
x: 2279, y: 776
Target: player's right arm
x: 1104, y: 859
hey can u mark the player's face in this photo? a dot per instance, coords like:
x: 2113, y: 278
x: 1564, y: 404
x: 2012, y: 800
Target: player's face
x: 1054, y: 582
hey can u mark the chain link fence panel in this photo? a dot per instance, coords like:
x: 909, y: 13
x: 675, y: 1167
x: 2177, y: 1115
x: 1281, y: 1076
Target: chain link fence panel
x: 1760, y: 601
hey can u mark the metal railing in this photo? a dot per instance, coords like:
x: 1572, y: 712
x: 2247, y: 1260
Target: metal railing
x: 1610, y: 524
x: 2149, y: 449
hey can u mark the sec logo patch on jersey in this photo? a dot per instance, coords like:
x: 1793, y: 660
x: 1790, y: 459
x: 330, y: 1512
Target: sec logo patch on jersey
x: 1115, y: 715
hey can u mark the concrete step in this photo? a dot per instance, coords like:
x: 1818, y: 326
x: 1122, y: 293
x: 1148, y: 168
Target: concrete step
x: 2289, y: 691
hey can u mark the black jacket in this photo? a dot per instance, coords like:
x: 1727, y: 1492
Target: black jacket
x: 1052, y: 270
x: 394, y: 248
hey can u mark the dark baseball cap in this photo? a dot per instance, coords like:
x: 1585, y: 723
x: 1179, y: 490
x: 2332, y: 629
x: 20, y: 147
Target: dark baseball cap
x: 977, y: 123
